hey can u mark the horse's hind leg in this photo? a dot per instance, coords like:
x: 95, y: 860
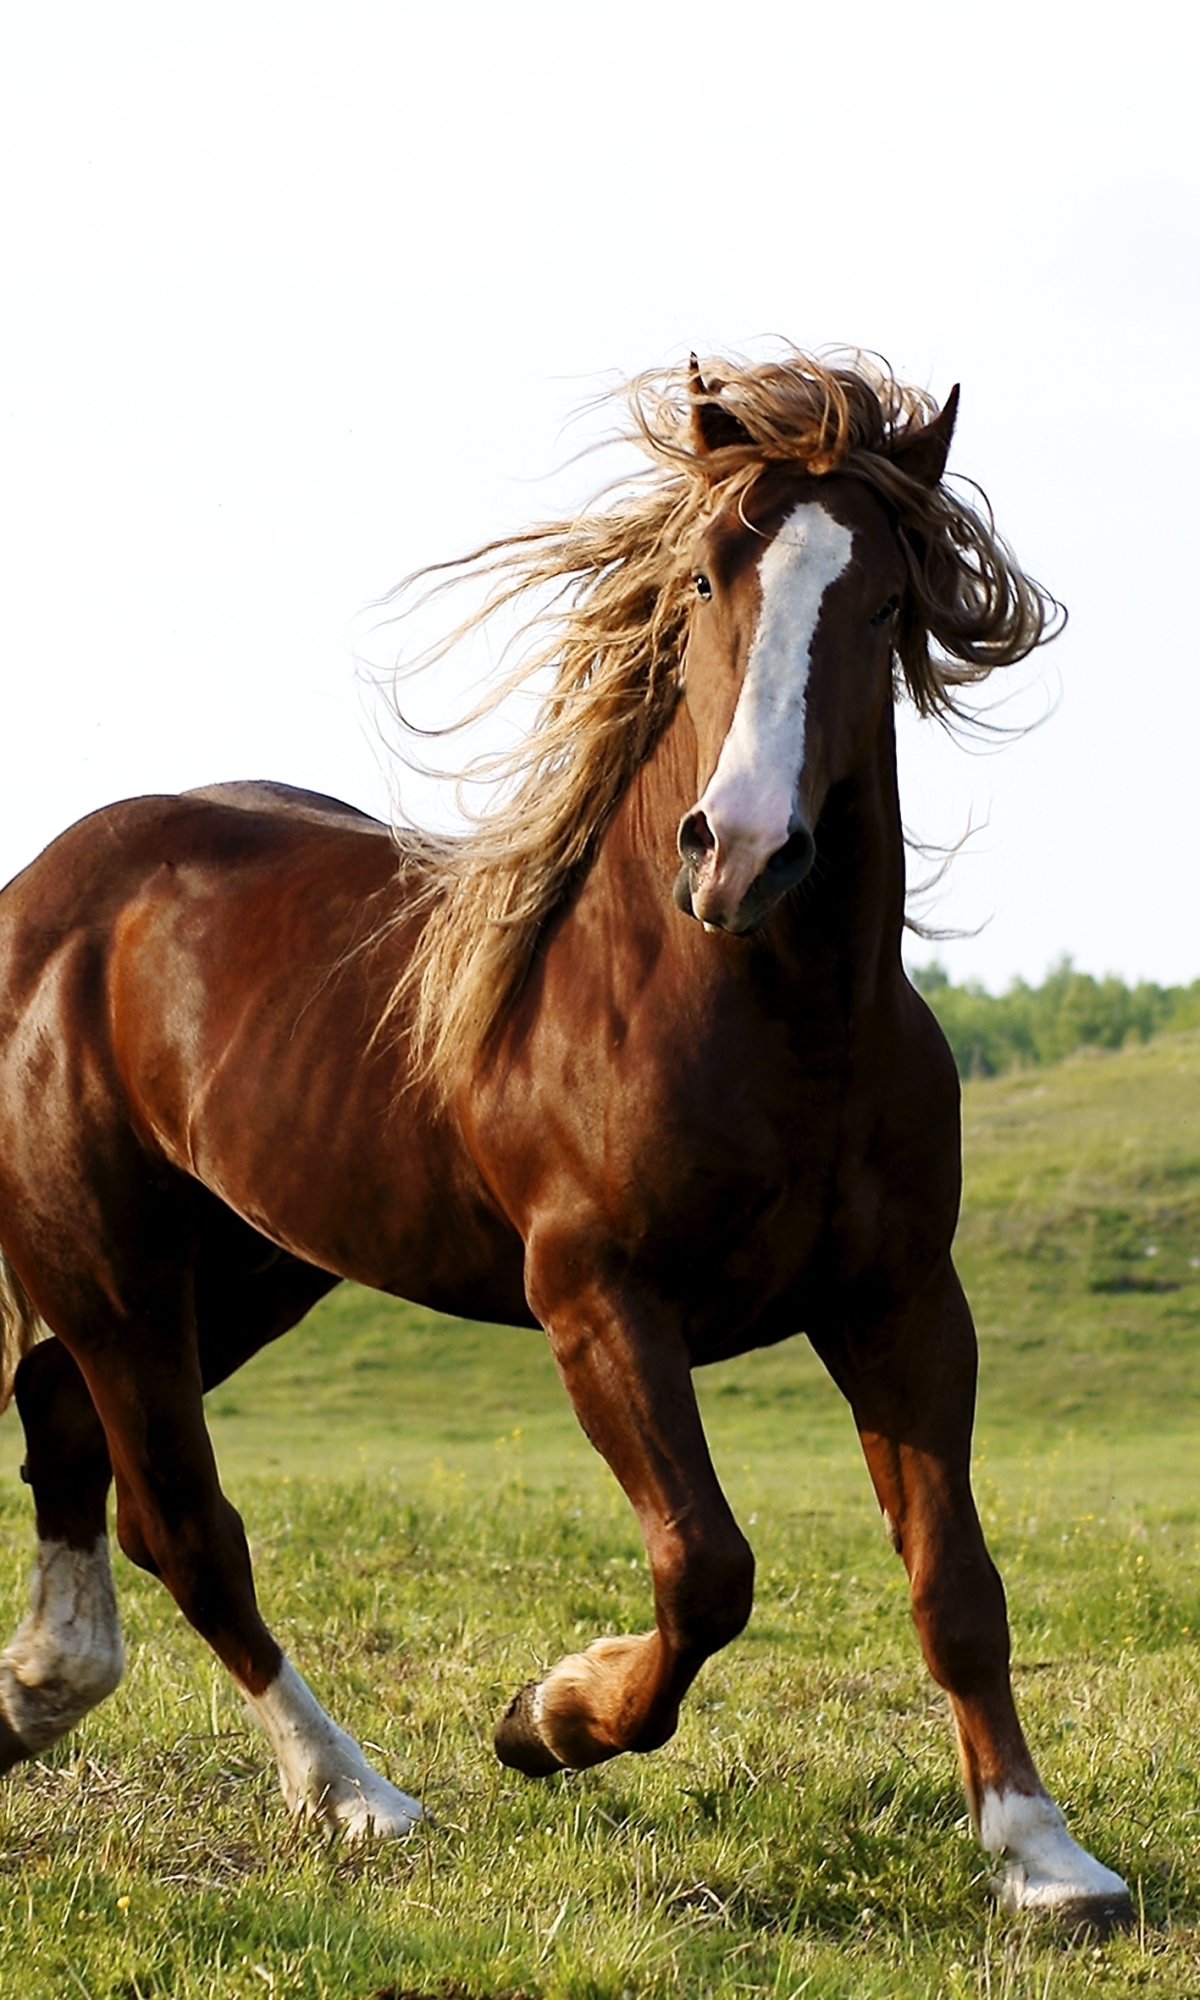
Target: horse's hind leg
x: 67, y: 1655
x: 174, y: 1520
x: 914, y: 1408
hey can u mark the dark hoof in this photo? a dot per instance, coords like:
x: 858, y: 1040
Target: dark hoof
x: 12, y: 1749
x: 517, y: 1741
x: 1090, y: 1919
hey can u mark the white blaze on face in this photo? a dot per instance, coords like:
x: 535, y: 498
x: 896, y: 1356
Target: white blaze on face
x: 750, y: 800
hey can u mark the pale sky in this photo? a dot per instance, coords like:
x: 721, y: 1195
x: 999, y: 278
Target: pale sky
x: 299, y: 296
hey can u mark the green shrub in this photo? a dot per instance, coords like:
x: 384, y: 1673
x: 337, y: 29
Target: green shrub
x: 1070, y: 1010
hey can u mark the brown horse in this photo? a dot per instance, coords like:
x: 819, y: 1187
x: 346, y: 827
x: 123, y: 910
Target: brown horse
x: 247, y: 1050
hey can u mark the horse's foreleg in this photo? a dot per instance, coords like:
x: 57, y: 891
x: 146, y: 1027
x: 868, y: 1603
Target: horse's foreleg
x: 67, y: 1655
x: 629, y: 1377
x: 914, y: 1399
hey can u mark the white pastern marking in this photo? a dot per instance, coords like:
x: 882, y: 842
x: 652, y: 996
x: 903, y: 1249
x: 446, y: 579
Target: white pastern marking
x: 1044, y: 1869
x: 751, y: 797
x: 322, y: 1772
x: 68, y: 1654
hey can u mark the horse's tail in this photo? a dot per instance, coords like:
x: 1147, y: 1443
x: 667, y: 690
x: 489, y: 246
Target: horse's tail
x: 21, y: 1327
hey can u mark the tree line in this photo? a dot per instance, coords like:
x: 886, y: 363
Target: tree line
x: 991, y: 1032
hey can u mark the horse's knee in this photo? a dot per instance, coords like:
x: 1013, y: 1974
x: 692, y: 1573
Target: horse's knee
x: 705, y: 1593
x: 195, y: 1549
x: 963, y: 1627
x: 130, y: 1534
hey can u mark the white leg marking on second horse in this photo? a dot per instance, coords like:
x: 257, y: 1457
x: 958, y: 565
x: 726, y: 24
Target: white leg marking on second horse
x: 67, y: 1655
x: 322, y: 1772
x: 1044, y: 1869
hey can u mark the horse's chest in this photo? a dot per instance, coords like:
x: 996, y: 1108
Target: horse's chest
x: 699, y: 1175
x: 742, y: 1164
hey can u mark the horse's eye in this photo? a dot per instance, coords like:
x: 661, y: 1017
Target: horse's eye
x: 703, y: 587
x: 885, y: 611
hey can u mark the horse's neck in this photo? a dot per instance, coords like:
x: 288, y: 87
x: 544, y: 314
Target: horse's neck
x: 851, y: 908
x: 855, y: 896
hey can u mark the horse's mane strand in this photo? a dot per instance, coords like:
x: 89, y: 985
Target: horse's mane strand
x: 610, y: 592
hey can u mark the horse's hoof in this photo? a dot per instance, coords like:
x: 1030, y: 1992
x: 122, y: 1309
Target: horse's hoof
x: 1047, y: 1874
x: 517, y: 1741
x: 1090, y: 1919
x: 13, y: 1748
x: 1080, y: 1919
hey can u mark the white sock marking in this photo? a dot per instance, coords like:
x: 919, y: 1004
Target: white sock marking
x: 750, y: 799
x: 67, y: 1655
x: 1044, y: 1869
x: 322, y: 1772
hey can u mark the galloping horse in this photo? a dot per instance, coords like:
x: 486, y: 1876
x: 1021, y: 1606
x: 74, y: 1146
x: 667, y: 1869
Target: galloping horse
x: 635, y: 1060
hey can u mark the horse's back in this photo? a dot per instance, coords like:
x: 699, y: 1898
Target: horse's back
x: 91, y: 870
x: 270, y: 796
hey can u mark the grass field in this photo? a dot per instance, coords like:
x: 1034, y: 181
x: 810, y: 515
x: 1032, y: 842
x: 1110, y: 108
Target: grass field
x: 429, y: 1528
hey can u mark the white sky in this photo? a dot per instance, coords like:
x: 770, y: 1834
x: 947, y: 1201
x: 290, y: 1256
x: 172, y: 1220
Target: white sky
x: 298, y: 296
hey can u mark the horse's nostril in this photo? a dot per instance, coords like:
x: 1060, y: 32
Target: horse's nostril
x: 790, y: 863
x: 695, y: 838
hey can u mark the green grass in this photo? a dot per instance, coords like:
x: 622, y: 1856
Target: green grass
x: 430, y: 1528
x: 1080, y: 1242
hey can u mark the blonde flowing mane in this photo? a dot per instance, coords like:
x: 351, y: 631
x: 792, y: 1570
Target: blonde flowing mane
x: 610, y: 592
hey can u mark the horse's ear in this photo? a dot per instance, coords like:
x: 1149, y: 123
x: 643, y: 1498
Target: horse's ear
x: 923, y: 454
x: 713, y: 426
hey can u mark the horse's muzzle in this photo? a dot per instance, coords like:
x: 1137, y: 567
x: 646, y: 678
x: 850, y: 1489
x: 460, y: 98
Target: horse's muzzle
x: 787, y: 866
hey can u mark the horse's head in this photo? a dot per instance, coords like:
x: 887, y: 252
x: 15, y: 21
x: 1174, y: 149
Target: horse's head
x: 788, y: 667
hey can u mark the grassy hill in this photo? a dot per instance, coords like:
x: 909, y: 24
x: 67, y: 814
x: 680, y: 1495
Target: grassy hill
x: 1080, y: 1239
